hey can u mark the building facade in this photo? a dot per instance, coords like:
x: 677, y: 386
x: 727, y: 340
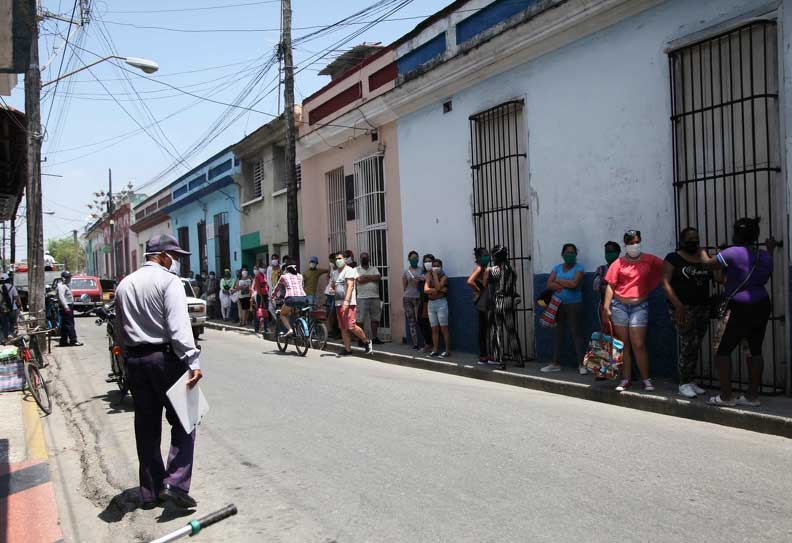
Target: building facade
x: 111, y: 243
x: 350, y: 176
x: 263, y: 223
x: 204, y: 215
x: 149, y: 220
x: 539, y: 123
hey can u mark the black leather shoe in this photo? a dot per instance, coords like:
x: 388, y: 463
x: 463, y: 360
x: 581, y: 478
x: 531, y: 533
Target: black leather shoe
x: 177, y: 497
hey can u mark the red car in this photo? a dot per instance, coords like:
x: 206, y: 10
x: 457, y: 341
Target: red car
x: 85, y: 284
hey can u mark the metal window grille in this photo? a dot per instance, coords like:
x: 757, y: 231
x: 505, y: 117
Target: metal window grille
x: 500, y: 199
x: 336, y: 210
x: 258, y: 177
x: 724, y: 101
x: 299, y: 175
x: 372, y: 226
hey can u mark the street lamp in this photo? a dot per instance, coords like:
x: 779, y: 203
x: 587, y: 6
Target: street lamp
x: 143, y: 64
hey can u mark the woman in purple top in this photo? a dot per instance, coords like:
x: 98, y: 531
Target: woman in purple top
x: 750, y: 308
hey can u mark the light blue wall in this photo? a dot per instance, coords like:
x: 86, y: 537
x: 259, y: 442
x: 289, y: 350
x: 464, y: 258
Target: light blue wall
x: 202, y: 193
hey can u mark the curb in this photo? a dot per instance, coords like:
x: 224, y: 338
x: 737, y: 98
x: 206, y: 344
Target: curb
x: 35, y: 444
x: 675, y: 407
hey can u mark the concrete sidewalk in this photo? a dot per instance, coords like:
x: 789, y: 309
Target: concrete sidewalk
x: 28, y: 510
x: 773, y: 417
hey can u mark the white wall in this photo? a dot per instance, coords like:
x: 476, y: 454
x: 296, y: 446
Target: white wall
x: 599, y: 142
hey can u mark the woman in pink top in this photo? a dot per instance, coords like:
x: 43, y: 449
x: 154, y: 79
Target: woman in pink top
x: 292, y: 285
x: 630, y: 280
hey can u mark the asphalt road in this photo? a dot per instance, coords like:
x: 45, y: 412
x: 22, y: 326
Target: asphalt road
x: 326, y: 449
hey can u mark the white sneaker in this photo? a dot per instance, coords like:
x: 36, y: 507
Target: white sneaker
x: 623, y: 385
x: 551, y: 368
x: 583, y: 370
x: 744, y: 401
x: 687, y: 391
x: 697, y: 389
x: 648, y: 386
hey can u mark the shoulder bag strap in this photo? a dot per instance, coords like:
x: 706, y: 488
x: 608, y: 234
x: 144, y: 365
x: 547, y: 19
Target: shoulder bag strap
x: 745, y: 281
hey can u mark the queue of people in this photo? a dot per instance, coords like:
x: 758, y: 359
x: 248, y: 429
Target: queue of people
x: 623, y: 286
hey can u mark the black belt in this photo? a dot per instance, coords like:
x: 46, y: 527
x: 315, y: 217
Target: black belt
x: 147, y: 348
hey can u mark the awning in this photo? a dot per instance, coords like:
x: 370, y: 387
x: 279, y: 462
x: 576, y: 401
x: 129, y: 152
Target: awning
x: 13, y: 160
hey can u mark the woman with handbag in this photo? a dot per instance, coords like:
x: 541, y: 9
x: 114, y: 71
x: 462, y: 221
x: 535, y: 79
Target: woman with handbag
x: 686, y: 280
x: 565, y: 281
x: 631, y: 279
x: 747, y: 270
x: 481, y: 301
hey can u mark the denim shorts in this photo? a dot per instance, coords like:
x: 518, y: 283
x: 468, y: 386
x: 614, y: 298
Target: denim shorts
x: 631, y: 316
x: 438, y: 312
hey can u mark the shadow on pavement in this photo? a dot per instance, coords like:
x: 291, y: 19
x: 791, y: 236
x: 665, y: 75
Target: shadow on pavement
x: 116, y: 402
x: 170, y: 513
x: 120, y: 505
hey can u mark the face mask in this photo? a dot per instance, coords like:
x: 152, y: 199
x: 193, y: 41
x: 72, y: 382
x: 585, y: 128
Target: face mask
x: 634, y: 250
x: 428, y: 266
x: 340, y: 263
x: 413, y: 262
x: 255, y: 271
x: 569, y: 258
x: 244, y: 274
x: 348, y: 260
x: 436, y: 269
x: 275, y: 262
x: 175, y: 267
x: 611, y: 256
x: 365, y: 261
x: 484, y: 261
x: 690, y: 246
x: 313, y: 265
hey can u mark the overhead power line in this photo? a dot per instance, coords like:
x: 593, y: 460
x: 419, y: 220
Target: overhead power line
x: 206, y: 8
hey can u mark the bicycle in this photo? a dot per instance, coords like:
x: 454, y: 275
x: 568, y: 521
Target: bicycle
x: 32, y: 359
x: 317, y: 329
x: 299, y: 337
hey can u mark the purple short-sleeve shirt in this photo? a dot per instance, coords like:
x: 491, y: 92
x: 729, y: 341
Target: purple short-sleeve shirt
x: 738, y: 262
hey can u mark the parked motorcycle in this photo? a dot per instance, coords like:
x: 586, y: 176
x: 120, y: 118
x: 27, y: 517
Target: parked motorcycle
x: 51, y: 311
x: 106, y: 315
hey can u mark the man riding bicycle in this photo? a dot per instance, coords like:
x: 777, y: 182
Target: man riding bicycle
x: 290, y: 288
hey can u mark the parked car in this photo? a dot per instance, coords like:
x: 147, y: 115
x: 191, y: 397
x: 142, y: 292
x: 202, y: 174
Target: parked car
x: 108, y: 289
x: 195, y: 307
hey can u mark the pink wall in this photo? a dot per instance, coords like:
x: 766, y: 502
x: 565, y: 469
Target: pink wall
x: 315, y: 208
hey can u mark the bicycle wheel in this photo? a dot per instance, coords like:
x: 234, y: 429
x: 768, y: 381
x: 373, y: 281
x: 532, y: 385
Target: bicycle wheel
x: 283, y: 343
x: 301, y: 341
x: 35, y: 350
x: 318, y: 336
x: 38, y: 387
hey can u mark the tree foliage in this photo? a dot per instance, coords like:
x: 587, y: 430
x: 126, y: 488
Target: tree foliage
x: 64, y: 251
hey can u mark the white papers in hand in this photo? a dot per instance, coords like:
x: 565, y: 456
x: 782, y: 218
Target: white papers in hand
x: 190, y: 405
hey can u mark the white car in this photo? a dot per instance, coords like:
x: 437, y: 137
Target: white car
x: 196, y: 308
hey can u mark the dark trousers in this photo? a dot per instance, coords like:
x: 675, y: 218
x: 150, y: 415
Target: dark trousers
x: 68, y: 333
x: 572, y: 314
x: 150, y: 377
x: 483, y: 331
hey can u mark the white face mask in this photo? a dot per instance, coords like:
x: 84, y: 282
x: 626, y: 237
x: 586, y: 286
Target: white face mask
x: 348, y: 260
x: 436, y: 269
x: 313, y: 265
x: 634, y: 250
x: 255, y: 271
x: 175, y: 267
x: 340, y: 263
x: 275, y: 262
x: 428, y: 266
x: 244, y: 274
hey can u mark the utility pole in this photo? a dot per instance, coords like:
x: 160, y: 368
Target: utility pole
x: 110, y: 211
x: 292, y: 223
x: 5, y: 268
x: 13, y: 239
x: 76, y: 253
x: 35, y: 232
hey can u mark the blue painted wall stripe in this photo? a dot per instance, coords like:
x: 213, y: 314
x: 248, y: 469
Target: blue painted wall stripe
x: 488, y: 17
x: 422, y: 54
